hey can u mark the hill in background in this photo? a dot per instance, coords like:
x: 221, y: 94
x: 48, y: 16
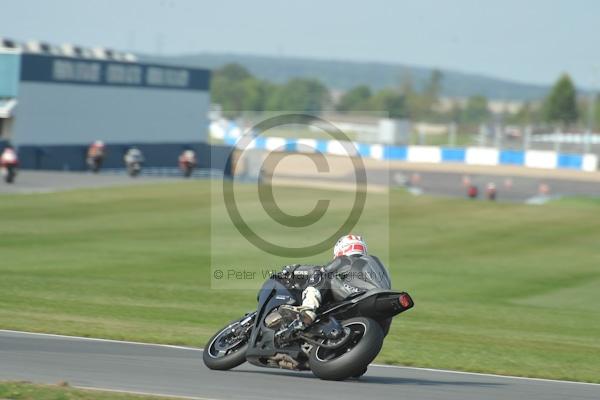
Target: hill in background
x: 343, y: 75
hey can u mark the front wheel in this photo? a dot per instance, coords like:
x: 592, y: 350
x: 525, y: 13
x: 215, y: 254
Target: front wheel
x: 227, y: 348
x: 353, y: 358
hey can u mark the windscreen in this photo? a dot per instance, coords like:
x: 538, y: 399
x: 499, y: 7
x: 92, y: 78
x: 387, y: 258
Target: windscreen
x: 353, y: 275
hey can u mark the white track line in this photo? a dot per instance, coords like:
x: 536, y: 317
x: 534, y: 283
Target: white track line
x: 172, y: 396
x: 448, y: 371
x: 101, y: 340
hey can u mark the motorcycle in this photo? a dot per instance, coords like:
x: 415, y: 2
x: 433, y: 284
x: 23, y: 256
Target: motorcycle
x: 134, y: 169
x: 187, y: 167
x: 342, y: 341
x: 187, y: 162
x: 95, y: 163
x: 9, y: 172
x: 133, y: 161
x: 9, y: 164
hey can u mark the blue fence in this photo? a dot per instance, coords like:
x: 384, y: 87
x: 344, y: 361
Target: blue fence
x: 431, y: 154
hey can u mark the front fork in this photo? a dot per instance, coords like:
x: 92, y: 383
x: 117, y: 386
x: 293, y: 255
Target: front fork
x: 247, y: 322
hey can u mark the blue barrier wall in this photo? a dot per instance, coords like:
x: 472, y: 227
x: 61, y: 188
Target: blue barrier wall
x: 453, y: 155
x: 395, y: 153
x: 512, y: 157
x: 570, y: 161
x: 423, y: 154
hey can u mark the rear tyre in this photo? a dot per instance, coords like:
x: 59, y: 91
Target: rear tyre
x: 364, y: 371
x: 224, y: 350
x: 352, y: 359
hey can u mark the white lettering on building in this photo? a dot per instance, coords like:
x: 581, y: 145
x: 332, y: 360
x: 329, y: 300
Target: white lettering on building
x: 63, y: 70
x: 157, y: 76
x: 124, y: 74
x: 119, y: 74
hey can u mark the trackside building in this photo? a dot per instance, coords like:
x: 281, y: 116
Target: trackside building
x: 52, y: 106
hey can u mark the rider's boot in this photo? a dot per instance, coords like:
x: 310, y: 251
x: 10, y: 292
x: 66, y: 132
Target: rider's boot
x: 311, y: 300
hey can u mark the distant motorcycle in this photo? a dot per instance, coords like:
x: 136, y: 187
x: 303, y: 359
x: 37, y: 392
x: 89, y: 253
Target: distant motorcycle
x: 133, y: 161
x: 95, y: 163
x: 472, y: 192
x: 491, y: 192
x: 134, y: 169
x: 187, y: 168
x: 187, y: 162
x: 340, y: 344
x: 95, y: 156
x: 9, y: 172
x: 9, y: 164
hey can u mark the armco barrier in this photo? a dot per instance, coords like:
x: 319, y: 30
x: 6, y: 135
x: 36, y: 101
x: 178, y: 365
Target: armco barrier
x: 431, y: 154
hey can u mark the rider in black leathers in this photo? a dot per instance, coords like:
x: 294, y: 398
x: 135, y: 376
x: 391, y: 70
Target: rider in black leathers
x: 317, y: 283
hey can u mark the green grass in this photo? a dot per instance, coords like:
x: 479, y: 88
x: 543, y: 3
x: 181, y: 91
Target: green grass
x: 29, y: 391
x: 500, y: 288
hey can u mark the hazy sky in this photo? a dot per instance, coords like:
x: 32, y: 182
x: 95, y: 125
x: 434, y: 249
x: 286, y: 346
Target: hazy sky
x: 526, y: 40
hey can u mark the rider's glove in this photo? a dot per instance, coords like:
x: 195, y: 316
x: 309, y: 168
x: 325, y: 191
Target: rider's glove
x: 287, y: 273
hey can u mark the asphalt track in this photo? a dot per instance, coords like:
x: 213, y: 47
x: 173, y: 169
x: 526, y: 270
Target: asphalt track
x: 179, y: 371
x: 29, y: 182
x: 509, y: 188
x: 438, y: 183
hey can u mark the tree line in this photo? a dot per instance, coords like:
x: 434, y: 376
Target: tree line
x: 237, y: 90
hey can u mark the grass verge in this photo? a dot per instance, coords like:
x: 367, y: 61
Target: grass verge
x: 30, y: 391
x: 499, y: 288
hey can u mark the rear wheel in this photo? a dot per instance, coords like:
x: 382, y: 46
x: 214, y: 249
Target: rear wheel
x: 227, y: 348
x: 352, y: 358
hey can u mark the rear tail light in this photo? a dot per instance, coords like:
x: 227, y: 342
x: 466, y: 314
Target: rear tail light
x: 405, y: 300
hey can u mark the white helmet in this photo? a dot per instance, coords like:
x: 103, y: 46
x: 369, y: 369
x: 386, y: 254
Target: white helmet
x: 349, y: 245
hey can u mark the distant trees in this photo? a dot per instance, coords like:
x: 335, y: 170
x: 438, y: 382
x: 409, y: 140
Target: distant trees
x: 431, y: 95
x: 561, y: 104
x: 390, y: 101
x: 528, y: 114
x: 237, y: 90
x: 355, y: 99
x: 305, y: 95
x: 476, y: 111
x: 402, y: 102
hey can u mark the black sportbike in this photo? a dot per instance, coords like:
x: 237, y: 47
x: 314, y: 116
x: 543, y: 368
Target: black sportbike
x: 346, y: 336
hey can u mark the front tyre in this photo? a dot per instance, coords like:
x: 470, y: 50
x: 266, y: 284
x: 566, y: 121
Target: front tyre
x: 353, y: 358
x: 227, y: 348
